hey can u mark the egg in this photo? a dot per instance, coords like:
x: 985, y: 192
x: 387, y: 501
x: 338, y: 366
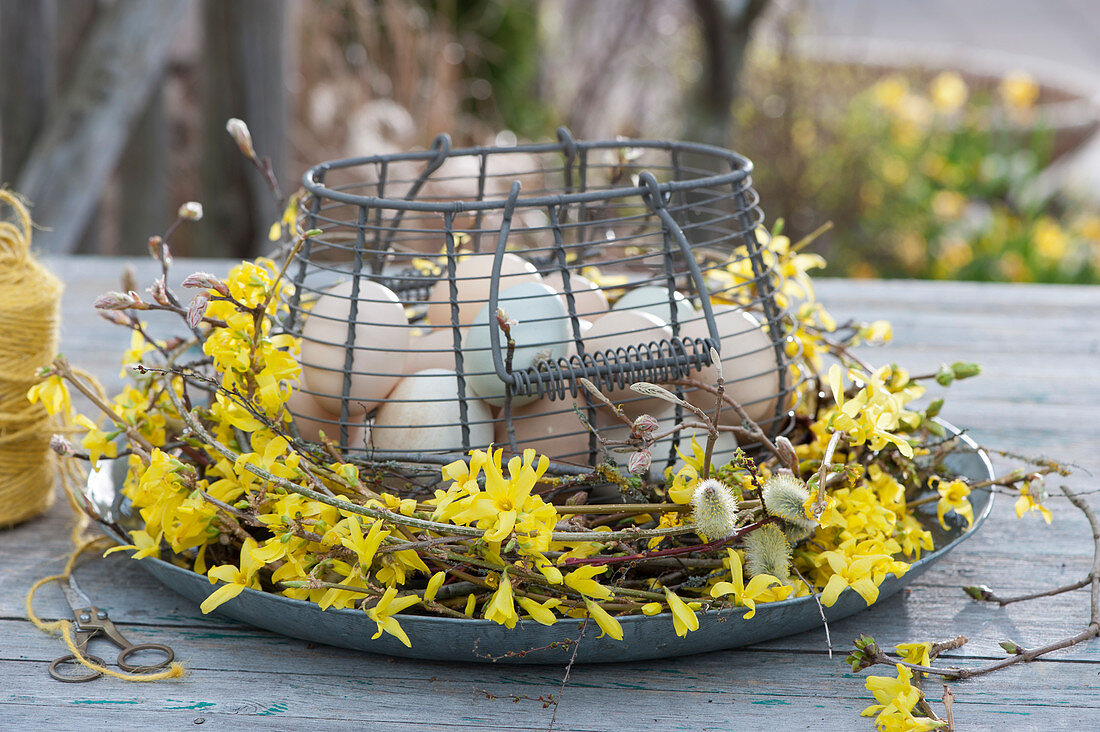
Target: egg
x: 550, y: 427
x: 473, y: 275
x: 654, y: 299
x: 423, y: 414
x: 589, y: 300
x: 381, y: 339
x: 310, y: 419
x: 623, y: 331
x: 542, y: 331
x: 748, y: 362
x: 433, y: 349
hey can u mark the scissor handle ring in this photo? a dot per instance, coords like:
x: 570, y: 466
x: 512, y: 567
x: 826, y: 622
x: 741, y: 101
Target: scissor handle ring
x: 70, y: 679
x: 169, y: 656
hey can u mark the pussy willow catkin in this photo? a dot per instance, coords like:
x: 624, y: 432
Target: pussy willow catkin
x: 30, y: 300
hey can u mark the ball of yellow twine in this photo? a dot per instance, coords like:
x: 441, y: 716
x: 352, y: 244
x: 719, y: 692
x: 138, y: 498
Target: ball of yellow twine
x: 30, y: 299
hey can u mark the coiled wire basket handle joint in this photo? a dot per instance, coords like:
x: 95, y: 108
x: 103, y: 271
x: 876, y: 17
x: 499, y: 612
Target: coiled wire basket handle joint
x: 652, y: 196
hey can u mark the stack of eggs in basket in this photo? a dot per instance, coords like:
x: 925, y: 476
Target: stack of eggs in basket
x: 401, y: 378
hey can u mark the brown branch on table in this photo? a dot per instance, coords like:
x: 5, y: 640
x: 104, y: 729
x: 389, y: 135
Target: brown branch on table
x: 568, y: 668
x: 983, y: 593
x: 949, y: 708
x: 868, y: 652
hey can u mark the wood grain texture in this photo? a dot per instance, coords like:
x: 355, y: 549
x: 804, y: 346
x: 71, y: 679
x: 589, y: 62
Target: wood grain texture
x: 85, y: 133
x: 28, y: 66
x: 1038, y: 346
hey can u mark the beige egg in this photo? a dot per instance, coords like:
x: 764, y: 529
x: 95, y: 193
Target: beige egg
x: 627, y: 330
x: 550, y: 427
x: 381, y: 340
x: 473, y: 276
x: 433, y: 349
x: 423, y: 414
x: 590, y: 300
x: 748, y: 361
x: 310, y: 418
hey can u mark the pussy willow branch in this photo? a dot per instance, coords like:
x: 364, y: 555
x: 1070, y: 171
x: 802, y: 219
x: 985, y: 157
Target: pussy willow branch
x: 674, y: 551
x: 260, y: 311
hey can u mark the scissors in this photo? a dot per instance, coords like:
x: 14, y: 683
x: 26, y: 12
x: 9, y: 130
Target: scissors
x: 92, y: 621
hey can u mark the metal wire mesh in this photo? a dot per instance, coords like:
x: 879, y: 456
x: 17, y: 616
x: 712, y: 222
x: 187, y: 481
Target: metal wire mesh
x: 616, y: 261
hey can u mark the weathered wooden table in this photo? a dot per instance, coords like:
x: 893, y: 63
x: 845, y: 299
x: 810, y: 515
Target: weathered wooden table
x: 1040, y: 393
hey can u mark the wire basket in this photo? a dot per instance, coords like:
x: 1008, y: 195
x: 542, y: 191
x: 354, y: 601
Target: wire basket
x: 614, y: 261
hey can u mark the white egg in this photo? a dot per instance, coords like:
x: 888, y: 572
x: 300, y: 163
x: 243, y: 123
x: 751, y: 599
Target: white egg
x: 423, y: 414
x: 748, y: 362
x: 381, y: 339
x: 311, y: 419
x: 549, y: 427
x: 654, y: 299
x: 473, y: 276
x: 542, y: 331
x: 589, y: 300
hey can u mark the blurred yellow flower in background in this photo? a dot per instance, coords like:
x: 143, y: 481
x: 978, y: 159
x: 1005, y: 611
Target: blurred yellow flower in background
x: 1018, y: 90
x: 890, y: 91
x: 949, y: 92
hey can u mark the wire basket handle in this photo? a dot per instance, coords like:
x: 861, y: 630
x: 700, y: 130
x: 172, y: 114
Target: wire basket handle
x: 441, y: 149
x: 653, y: 198
x: 494, y: 284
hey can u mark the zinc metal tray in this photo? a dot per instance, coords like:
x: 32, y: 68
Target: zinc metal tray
x: 478, y: 640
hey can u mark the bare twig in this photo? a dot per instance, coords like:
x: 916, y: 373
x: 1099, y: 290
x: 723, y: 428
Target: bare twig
x: 948, y: 705
x: 746, y: 421
x: 568, y: 668
x: 712, y: 433
x: 986, y: 595
x: 1022, y: 655
x: 820, y: 609
x: 827, y: 458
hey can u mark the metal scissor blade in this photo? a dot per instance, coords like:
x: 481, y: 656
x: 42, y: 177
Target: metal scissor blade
x: 76, y: 597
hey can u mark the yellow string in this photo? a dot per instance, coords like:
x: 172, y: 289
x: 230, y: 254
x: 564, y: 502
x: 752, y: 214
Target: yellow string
x: 30, y: 300
x: 65, y: 627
